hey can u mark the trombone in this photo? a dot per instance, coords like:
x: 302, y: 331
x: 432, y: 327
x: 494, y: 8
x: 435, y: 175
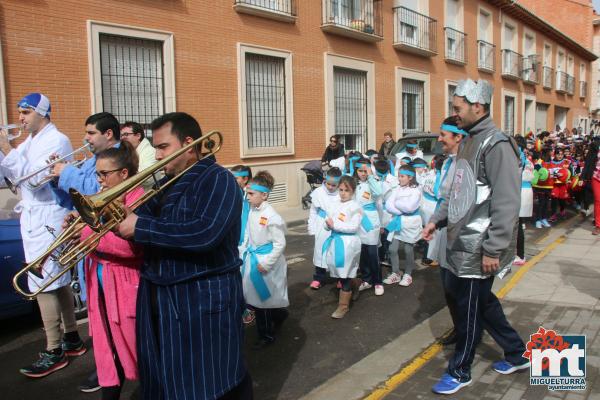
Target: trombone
x: 13, y: 184
x: 11, y: 127
x: 103, y: 212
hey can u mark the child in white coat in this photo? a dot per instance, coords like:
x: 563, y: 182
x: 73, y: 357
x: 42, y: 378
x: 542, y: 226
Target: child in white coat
x: 406, y: 226
x: 385, y: 174
x: 264, y: 271
x: 341, y: 250
x: 322, y: 198
x: 368, y: 192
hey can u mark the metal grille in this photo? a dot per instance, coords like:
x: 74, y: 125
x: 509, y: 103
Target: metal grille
x: 451, y: 89
x: 282, y: 6
x: 279, y: 194
x: 132, y: 78
x: 360, y: 15
x: 455, y: 45
x: 541, y: 117
x: 509, y: 115
x: 511, y: 63
x: 265, y: 101
x: 486, y: 59
x: 548, y: 77
x: 350, y: 92
x: 415, y: 29
x: 412, y: 106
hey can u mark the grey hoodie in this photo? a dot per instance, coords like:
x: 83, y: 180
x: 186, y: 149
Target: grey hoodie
x: 482, y: 216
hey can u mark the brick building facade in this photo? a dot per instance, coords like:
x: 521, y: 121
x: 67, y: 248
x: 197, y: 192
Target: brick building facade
x: 278, y: 77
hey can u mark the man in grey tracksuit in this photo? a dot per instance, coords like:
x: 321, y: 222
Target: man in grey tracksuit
x: 481, y: 215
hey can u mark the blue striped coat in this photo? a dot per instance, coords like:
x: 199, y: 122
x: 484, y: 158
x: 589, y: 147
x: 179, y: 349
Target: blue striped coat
x: 190, y: 299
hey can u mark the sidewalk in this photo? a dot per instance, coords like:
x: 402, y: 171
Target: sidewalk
x: 558, y: 289
x: 560, y: 292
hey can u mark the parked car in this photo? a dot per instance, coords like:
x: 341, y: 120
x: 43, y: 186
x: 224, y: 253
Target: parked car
x: 12, y: 260
x: 427, y: 142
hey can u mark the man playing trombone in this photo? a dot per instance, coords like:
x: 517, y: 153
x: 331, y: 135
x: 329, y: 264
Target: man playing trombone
x: 41, y: 218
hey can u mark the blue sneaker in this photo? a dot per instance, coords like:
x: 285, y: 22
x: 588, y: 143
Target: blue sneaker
x: 449, y: 384
x: 505, y: 368
x: 546, y: 224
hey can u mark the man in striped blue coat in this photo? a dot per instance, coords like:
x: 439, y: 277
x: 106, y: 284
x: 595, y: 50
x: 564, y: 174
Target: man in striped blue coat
x: 190, y: 299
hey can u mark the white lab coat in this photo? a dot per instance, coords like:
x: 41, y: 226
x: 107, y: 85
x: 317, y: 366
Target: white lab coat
x: 402, y: 154
x: 526, y: 209
x: 266, y: 226
x: 387, y: 186
x: 367, y: 194
x: 38, y: 207
x: 428, y: 201
x: 323, y: 199
x: 346, y: 218
x: 406, y: 200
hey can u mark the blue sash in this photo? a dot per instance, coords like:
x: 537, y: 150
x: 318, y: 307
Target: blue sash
x: 440, y: 200
x: 395, y: 224
x: 526, y: 185
x: 321, y: 213
x: 366, y: 222
x: 245, y: 213
x: 255, y: 276
x: 430, y: 197
x: 338, y: 242
x: 392, y: 168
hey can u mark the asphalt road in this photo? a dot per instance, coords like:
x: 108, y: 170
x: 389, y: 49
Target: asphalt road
x: 310, y: 348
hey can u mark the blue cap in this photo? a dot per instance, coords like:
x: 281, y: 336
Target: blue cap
x: 37, y: 102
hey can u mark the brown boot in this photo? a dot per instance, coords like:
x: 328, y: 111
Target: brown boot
x: 343, y: 305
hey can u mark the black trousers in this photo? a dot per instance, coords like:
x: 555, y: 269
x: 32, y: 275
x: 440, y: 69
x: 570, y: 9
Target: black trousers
x: 320, y: 275
x: 558, y: 204
x: 542, y: 198
x: 266, y: 319
x: 450, y: 300
x: 521, y: 239
x: 369, y: 264
x: 478, y: 308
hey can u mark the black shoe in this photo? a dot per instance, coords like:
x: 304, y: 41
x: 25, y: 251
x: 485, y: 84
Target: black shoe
x: 449, y: 339
x: 49, y: 362
x: 90, y: 384
x: 279, y: 321
x: 73, y: 349
x: 262, y: 343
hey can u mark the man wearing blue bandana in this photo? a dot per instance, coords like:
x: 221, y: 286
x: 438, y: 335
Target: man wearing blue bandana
x: 410, y: 151
x: 481, y: 215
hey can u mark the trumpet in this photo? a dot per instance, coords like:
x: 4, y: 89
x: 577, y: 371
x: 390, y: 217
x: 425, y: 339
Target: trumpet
x: 11, y: 127
x: 13, y: 184
x: 103, y: 212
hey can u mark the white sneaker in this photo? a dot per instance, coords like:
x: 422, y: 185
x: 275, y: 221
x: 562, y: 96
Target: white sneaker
x: 364, y: 286
x: 378, y: 290
x: 392, y: 279
x: 538, y: 224
x: 406, y: 280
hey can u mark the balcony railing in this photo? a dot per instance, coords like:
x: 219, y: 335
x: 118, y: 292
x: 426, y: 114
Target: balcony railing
x: 456, y: 49
x: 531, y: 69
x: 570, y: 84
x: 511, y: 64
x: 414, y: 32
x: 281, y: 10
x: 547, y: 77
x: 358, y: 19
x: 561, y: 81
x: 582, y: 89
x: 486, y: 56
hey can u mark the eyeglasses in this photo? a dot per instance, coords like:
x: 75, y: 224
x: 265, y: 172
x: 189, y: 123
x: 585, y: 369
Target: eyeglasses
x: 125, y: 134
x: 104, y: 174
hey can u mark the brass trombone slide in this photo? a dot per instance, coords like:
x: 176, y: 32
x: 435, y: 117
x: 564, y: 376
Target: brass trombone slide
x: 102, y: 212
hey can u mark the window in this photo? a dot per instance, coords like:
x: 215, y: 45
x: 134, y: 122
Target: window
x: 265, y: 87
x: 451, y: 89
x: 132, y: 72
x: 265, y: 101
x: 350, y: 91
x: 412, y: 106
x: 547, y: 55
x: 509, y: 115
x: 484, y: 26
x: 582, y: 72
x: 132, y: 78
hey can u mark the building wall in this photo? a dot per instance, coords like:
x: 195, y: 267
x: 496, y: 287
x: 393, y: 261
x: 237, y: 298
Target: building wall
x: 45, y: 47
x: 595, y: 78
x: 574, y: 19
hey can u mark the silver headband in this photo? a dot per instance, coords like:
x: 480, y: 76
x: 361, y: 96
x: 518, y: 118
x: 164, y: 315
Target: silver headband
x: 475, y: 92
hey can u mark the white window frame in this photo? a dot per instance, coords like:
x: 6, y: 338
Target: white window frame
x: 525, y: 97
x: 490, y: 29
x: 563, y: 65
x: 582, y: 72
x: 422, y: 6
x: 335, y: 60
x: 245, y: 150
x: 530, y: 33
x: 459, y: 26
x: 514, y: 46
x: 425, y: 77
x: 96, y: 28
x: 547, y: 45
x: 571, y: 65
x: 515, y: 96
x: 447, y: 93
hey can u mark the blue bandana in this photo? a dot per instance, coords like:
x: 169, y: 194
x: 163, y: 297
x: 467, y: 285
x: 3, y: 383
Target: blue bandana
x: 453, y: 129
x: 406, y: 172
x: 411, y: 145
x: 259, y: 188
x: 240, y: 173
